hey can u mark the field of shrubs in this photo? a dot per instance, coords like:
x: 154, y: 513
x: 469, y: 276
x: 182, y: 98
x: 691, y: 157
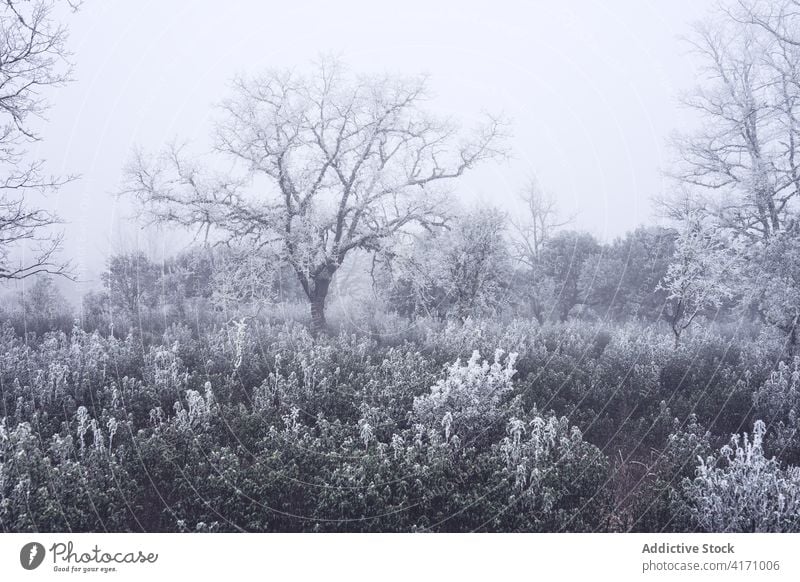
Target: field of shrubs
x: 448, y: 427
x: 308, y: 322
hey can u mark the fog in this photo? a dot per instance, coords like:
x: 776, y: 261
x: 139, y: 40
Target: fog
x: 591, y: 89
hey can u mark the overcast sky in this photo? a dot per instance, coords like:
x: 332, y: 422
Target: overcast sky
x: 591, y: 87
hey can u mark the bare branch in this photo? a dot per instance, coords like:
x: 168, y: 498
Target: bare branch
x: 33, y: 57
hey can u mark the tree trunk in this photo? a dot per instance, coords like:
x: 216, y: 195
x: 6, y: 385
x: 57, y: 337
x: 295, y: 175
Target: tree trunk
x: 317, y: 298
x: 318, y: 323
x: 793, y: 338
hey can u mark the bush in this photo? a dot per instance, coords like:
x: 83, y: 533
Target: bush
x: 741, y: 490
x: 256, y: 425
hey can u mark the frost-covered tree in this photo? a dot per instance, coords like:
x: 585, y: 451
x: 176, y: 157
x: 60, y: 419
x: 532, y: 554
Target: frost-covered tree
x: 41, y: 307
x: 537, y: 223
x: 742, y: 165
x: 460, y: 271
x: 242, y: 277
x: 776, y: 291
x: 476, y: 265
x: 739, y: 172
x: 131, y: 280
x: 532, y: 229
x: 33, y: 59
x: 569, y: 262
x: 625, y: 283
x: 699, y: 278
x: 334, y: 162
x: 43, y: 299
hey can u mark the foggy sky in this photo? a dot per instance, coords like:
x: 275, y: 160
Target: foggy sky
x: 590, y: 86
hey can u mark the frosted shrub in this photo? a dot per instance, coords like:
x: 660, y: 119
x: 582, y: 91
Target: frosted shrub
x: 780, y: 394
x: 305, y: 375
x: 455, y: 338
x: 528, y: 449
x: 778, y: 400
x: 741, y: 490
x: 196, y: 412
x: 468, y: 400
x: 19, y: 463
x: 164, y: 371
x: 647, y: 496
x: 399, y: 436
x: 556, y: 477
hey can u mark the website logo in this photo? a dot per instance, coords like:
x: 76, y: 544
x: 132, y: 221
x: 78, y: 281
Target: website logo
x: 31, y: 555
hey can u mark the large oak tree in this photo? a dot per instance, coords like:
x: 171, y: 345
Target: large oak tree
x: 334, y: 163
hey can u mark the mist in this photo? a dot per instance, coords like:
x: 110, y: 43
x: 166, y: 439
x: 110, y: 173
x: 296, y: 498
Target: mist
x: 591, y: 90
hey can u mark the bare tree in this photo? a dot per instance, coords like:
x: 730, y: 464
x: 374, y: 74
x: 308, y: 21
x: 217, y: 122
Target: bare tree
x: 742, y: 165
x: 740, y: 172
x: 335, y: 163
x: 530, y: 233
x: 537, y: 224
x: 33, y: 57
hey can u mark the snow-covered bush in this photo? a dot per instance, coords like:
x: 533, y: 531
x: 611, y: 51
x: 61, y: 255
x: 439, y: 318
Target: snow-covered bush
x: 778, y: 401
x: 539, y: 454
x: 780, y: 394
x: 467, y: 402
x: 741, y: 490
x: 357, y: 434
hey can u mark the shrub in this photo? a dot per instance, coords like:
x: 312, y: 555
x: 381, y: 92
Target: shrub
x: 741, y: 490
